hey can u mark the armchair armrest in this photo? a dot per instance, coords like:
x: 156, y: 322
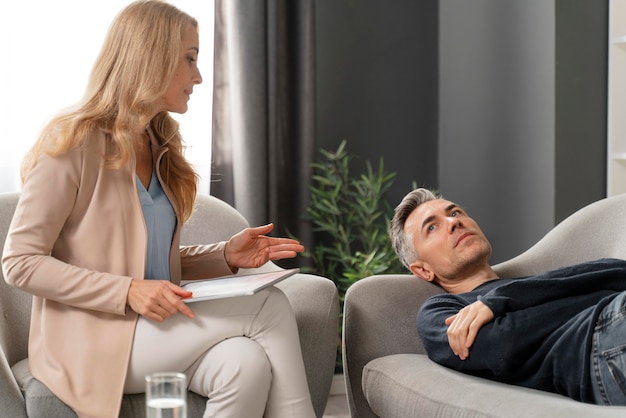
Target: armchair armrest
x: 316, y: 306
x: 380, y: 319
x: 11, y: 399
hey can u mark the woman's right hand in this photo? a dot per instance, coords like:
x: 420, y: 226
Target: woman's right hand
x: 158, y: 299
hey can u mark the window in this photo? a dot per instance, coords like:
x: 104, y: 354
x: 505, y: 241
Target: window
x: 48, y: 48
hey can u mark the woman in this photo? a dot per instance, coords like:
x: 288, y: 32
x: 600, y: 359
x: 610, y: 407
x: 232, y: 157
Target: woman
x: 95, y: 240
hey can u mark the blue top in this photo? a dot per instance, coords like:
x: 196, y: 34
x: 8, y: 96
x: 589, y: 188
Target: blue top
x: 160, y: 220
x: 542, y: 329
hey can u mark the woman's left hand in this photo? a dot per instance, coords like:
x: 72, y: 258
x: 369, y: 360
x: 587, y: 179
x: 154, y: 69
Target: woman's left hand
x: 250, y: 248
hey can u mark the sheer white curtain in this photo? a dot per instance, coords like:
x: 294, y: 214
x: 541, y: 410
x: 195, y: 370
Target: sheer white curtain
x: 48, y: 48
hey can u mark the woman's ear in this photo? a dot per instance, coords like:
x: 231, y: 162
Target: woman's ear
x: 422, y: 270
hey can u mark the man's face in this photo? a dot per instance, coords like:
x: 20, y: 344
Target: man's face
x: 449, y: 243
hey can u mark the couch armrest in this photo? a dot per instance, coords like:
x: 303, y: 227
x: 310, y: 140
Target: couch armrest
x: 379, y: 319
x: 12, y: 402
x: 315, y: 302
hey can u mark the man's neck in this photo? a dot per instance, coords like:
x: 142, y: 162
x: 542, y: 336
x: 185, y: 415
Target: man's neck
x: 470, y: 282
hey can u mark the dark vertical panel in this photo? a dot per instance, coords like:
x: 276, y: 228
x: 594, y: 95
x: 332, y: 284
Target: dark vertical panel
x: 581, y: 100
x: 377, y: 84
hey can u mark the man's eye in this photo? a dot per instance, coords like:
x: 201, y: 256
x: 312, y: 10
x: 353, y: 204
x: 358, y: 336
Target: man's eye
x: 431, y: 228
x: 455, y: 213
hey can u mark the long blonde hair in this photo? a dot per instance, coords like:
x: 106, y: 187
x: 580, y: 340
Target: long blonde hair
x: 131, y: 74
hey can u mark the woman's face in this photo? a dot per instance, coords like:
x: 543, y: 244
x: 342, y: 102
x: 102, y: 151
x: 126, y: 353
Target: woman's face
x: 186, y: 75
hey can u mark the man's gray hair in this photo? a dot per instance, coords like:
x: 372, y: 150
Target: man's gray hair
x: 401, y: 241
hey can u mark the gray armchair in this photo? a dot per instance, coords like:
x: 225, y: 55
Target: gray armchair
x: 313, y: 298
x: 386, y: 368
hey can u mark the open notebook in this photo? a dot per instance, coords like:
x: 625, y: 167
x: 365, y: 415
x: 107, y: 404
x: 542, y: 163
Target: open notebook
x: 231, y: 286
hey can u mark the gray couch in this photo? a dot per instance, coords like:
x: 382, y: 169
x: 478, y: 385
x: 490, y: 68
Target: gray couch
x: 387, y: 371
x: 313, y: 298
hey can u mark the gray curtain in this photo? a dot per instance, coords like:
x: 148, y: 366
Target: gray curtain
x: 263, y: 110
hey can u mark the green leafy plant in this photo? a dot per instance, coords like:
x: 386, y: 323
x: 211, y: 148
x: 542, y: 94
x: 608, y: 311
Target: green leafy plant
x: 350, y: 218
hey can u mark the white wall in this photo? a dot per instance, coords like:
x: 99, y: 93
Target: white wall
x: 48, y: 48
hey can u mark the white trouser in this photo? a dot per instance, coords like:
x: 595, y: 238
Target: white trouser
x: 242, y: 353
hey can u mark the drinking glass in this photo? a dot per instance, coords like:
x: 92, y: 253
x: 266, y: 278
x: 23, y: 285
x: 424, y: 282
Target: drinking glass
x: 166, y: 395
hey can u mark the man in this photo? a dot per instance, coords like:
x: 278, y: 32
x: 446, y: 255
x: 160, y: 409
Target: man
x: 563, y: 331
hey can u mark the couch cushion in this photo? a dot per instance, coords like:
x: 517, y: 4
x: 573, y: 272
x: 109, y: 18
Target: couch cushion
x: 41, y: 402
x: 411, y: 385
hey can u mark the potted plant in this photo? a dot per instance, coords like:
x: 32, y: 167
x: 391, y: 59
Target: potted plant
x: 350, y: 219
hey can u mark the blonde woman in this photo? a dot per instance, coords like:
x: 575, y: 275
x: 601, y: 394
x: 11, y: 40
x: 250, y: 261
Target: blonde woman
x: 95, y: 240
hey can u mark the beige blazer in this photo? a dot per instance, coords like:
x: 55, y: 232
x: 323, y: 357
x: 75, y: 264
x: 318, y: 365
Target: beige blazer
x: 76, y: 240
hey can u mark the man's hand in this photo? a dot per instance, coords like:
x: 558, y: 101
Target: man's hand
x: 158, y: 299
x: 464, y: 326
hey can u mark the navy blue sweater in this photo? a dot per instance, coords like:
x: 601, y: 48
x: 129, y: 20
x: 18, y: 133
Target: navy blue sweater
x: 542, y: 329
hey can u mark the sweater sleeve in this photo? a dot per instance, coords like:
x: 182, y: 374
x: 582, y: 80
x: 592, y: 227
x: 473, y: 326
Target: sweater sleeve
x: 571, y: 281
x: 201, y: 262
x: 502, y: 347
x: 46, y: 202
x: 526, y: 312
x: 433, y: 333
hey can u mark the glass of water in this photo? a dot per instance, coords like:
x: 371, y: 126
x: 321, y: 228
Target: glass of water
x: 166, y: 395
